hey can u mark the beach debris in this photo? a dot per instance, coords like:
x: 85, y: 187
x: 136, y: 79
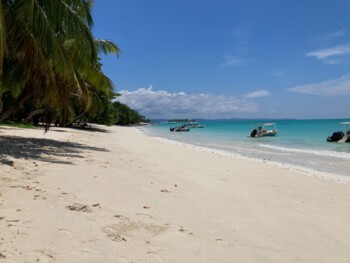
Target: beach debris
x: 2, y: 217
x: 165, y: 191
x: 146, y: 207
x: 18, y: 210
x: 79, y: 208
x: 96, y: 205
x: 175, y: 185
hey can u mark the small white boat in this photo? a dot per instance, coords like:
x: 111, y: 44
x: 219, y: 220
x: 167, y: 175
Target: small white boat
x: 263, y: 130
x: 182, y: 128
x: 341, y: 136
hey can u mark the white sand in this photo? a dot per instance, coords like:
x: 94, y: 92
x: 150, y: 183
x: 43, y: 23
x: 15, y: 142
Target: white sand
x: 120, y: 196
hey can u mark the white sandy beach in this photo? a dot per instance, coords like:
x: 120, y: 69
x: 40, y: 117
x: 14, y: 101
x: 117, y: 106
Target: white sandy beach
x: 119, y: 196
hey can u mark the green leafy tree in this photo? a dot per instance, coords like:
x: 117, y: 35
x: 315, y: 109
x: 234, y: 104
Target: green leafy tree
x: 126, y: 115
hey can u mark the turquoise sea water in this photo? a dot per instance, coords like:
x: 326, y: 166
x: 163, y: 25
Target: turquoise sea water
x: 299, y: 142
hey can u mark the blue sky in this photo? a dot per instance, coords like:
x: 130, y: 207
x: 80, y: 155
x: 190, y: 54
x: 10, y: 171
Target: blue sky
x: 229, y: 59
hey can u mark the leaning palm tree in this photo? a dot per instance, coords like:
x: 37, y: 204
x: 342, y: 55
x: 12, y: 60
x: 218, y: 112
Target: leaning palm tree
x: 50, y: 55
x: 90, y: 81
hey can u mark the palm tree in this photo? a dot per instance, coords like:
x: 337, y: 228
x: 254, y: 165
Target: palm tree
x: 49, y: 55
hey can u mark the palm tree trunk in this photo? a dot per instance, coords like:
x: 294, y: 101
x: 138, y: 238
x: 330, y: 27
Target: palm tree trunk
x: 32, y: 114
x: 26, y: 93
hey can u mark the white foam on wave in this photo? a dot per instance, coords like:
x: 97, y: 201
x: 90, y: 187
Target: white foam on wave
x: 342, y: 155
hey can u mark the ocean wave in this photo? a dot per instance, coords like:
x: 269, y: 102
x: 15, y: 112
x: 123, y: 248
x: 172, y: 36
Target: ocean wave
x: 342, y: 155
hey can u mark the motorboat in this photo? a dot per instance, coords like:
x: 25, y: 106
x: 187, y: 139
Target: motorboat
x: 263, y: 130
x: 181, y: 128
x: 342, y: 135
x: 194, y: 125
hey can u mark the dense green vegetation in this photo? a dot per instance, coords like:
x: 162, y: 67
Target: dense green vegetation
x: 126, y: 116
x: 49, y: 64
x: 118, y: 114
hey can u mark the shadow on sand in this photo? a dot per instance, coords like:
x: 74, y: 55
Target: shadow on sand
x: 90, y: 128
x: 44, y: 150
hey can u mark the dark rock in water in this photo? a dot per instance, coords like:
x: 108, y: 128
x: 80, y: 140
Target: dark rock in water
x: 336, y: 136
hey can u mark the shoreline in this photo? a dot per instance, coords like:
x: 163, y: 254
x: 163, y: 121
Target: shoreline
x: 304, y: 149
x: 73, y: 195
x: 309, y: 171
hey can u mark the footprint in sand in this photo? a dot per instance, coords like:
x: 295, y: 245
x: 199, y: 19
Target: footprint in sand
x: 116, y: 238
x: 142, y: 214
x: 66, y: 232
x: 44, y: 256
x: 79, y: 208
x: 26, y: 187
x: 136, y: 230
x: 122, y: 217
x: 39, y: 196
x: 66, y: 195
x: 181, y: 229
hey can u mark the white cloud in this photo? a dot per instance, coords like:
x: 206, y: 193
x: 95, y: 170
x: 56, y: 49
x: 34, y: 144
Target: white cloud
x: 163, y: 104
x: 327, y: 39
x: 335, y: 87
x: 230, y: 60
x: 236, y: 54
x: 328, y: 52
x: 338, y: 33
x: 328, y: 55
x: 257, y: 94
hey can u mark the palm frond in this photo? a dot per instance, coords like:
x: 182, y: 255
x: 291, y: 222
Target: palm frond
x: 107, y: 47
